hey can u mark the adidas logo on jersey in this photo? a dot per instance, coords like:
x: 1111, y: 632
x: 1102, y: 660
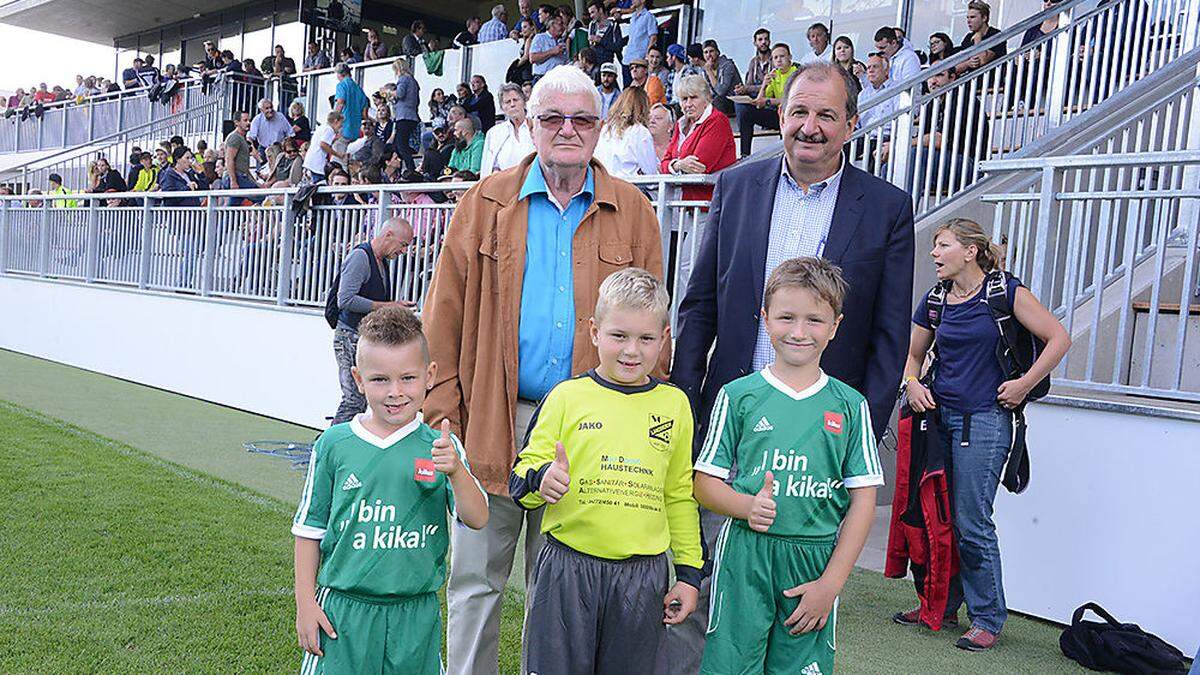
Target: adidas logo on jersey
x: 811, y: 669
x: 763, y: 425
x: 352, y: 483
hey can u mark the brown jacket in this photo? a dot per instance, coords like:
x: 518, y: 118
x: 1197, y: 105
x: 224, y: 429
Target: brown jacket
x: 473, y: 307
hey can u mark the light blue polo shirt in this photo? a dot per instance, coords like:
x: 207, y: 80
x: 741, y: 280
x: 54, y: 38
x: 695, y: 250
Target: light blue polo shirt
x: 546, y: 332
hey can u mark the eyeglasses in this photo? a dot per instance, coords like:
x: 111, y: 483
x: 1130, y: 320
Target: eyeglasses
x: 581, y: 122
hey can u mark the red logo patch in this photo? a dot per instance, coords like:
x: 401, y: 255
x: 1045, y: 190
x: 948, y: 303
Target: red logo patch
x: 423, y: 470
x: 833, y: 422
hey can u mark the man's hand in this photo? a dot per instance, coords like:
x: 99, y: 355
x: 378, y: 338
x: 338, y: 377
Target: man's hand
x: 445, y: 457
x: 816, y: 601
x: 310, y: 621
x: 739, y: 89
x: 679, y: 602
x: 762, y: 509
x: 557, y: 480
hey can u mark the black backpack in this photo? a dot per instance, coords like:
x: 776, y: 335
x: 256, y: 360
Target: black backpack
x: 332, y: 311
x: 1115, y: 646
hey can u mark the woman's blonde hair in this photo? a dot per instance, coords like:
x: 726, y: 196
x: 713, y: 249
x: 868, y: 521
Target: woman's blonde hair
x: 631, y: 107
x: 296, y: 105
x: 401, y: 67
x: 693, y: 85
x: 988, y: 255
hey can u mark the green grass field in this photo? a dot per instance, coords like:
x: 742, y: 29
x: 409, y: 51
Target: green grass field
x: 138, y: 536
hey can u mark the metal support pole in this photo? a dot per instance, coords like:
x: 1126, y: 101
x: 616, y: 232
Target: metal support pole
x: 901, y: 139
x: 147, y: 243
x: 1042, y: 236
x: 664, y: 223
x: 286, y: 245
x: 65, y: 116
x: 1060, y: 67
x: 92, y: 242
x: 41, y: 123
x: 44, y: 239
x: 91, y: 120
x: 208, y: 264
x: 5, y: 223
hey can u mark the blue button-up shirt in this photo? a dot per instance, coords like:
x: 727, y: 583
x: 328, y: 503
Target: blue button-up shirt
x: 546, y: 332
x: 642, y: 29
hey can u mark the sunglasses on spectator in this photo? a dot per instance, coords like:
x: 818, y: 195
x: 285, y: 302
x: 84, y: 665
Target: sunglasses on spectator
x: 584, y: 122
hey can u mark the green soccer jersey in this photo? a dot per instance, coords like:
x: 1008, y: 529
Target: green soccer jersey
x: 817, y: 443
x: 378, y: 507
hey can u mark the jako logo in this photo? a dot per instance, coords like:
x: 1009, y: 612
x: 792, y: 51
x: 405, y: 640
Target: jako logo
x: 590, y: 426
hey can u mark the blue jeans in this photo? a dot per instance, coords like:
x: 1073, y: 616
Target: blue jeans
x: 977, y: 467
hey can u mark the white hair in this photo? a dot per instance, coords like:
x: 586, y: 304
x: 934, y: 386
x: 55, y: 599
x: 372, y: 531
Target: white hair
x: 497, y: 11
x: 564, y: 80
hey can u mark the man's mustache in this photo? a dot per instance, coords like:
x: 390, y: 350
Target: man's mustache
x: 814, y: 138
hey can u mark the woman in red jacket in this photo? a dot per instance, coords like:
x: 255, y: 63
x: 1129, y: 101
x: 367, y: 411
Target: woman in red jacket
x: 702, y: 141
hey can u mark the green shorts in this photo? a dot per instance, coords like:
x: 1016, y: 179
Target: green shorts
x: 379, y: 636
x: 747, y: 607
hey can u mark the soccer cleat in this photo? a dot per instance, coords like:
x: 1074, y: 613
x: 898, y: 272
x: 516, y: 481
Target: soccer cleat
x: 976, y: 640
x: 913, y: 618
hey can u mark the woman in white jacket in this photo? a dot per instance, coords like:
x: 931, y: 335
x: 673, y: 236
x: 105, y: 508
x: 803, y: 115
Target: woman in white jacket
x: 510, y: 141
x: 626, y: 147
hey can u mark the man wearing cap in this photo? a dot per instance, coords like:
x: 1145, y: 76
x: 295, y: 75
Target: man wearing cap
x: 608, y: 88
x: 680, y: 66
x: 639, y: 77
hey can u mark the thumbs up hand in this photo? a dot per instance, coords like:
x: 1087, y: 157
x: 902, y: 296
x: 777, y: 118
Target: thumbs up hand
x: 445, y: 457
x: 557, y: 479
x: 762, y: 508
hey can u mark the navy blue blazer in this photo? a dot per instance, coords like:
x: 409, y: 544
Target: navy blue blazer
x: 871, y: 239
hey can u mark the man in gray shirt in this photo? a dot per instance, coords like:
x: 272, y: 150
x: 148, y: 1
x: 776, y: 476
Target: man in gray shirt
x: 364, y: 286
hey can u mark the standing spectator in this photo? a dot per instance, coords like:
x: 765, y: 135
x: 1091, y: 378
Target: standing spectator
x: 681, y: 67
x: 497, y: 27
x: 525, y: 11
x: 237, y: 157
x: 301, y: 127
x: 979, y: 13
x: 662, y: 128
x: 279, y: 64
x: 470, y: 36
x: 759, y: 67
x: 468, y: 147
x: 374, y: 49
x: 315, y: 58
x: 352, y: 102
x: 488, y: 383
x: 843, y: 57
x: 818, y: 41
x: 604, y: 35
x: 904, y: 62
x: 268, y: 128
x: 763, y: 111
x: 363, y: 287
x: 608, y: 88
x: 639, y: 77
x: 405, y: 101
x: 148, y: 74
x: 548, y: 49
x: 229, y: 63
x: 545, y: 13
x: 626, y: 147
x: 324, y: 146
x: 643, y: 31
x: 481, y: 104
x: 974, y: 406
x: 81, y: 90
x: 722, y: 75
x: 510, y: 141
x: 521, y: 69
x: 129, y: 76
x: 249, y: 68
x: 414, y: 43
x: 702, y: 141
x: 585, y: 60
x: 875, y: 87
x: 942, y: 47
x: 571, y: 24
x: 656, y: 66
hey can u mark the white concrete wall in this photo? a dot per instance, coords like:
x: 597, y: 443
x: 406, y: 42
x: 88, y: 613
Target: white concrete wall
x: 275, y: 362
x: 1110, y: 516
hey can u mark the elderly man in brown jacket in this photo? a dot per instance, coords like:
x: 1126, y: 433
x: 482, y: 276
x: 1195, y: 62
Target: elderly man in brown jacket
x: 507, y: 319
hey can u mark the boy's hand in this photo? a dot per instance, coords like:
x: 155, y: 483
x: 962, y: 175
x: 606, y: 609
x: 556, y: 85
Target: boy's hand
x: 762, y: 509
x: 310, y: 621
x: 445, y: 458
x: 816, y: 601
x: 557, y: 480
x: 679, y: 602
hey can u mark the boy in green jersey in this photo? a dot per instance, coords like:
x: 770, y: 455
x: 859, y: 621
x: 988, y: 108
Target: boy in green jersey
x: 791, y: 458
x: 610, y: 453
x: 372, y: 516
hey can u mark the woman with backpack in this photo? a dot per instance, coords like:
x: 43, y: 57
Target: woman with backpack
x: 976, y: 398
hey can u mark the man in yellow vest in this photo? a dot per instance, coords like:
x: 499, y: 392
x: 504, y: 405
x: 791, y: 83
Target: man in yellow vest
x: 56, y: 188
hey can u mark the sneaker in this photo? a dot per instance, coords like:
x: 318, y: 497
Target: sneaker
x: 913, y: 618
x: 976, y: 640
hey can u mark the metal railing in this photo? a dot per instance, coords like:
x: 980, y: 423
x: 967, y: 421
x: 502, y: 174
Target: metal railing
x: 1109, y: 244
x: 265, y: 252
x: 992, y: 112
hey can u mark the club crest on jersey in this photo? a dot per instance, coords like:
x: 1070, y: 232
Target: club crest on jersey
x: 833, y: 422
x: 423, y: 470
x: 660, y: 431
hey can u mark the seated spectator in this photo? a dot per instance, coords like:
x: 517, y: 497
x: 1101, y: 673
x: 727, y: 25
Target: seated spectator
x: 201, y: 150
x: 181, y: 176
x: 548, y: 49
x: 468, y: 147
x: 702, y: 141
x: 626, y: 147
x: 57, y: 188
x: 349, y: 56
x: 608, y: 88
x: 639, y: 76
x: 510, y: 141
x: 129, y: 76
x: 414, y: 44
x: 722, y: 75
x: 323, y: 147
x: 942, y: 47
x: 301, y: 127
x: 818, y: 41
x: 843, y: 57
x: 656, y: 66
x: 146, y: 179
x: 268, y: 129
x: 875, y: 87
x: 978, y: 15
x: 902, y: 60
x: 681, y: 66
x: 279, y: 64
x: 437, y: 154
x: 566, y: 12
x: 288, y: 169
x: 369, y: 148
x: 106, y: 179
x: 662, y: 127
x: 521, y: 68
x: 481, y: 104
x: 470, y: 36
x: 759, y: 67
x: 585, y: 60
x: 315, y: 58
x: 496, y: 28
x: 604, y: 34
x: 375, y: 49
x: 763, y: 111
x: 439, y: 107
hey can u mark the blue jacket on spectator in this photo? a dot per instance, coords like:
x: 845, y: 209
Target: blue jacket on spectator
x: 170, y: 180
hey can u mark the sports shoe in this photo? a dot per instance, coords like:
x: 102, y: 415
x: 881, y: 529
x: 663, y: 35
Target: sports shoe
x: 913, y: 618
x: 976, y: 640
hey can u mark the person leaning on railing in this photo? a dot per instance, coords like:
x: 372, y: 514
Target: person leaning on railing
x: 702, y: 141
x: 972, y: 403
